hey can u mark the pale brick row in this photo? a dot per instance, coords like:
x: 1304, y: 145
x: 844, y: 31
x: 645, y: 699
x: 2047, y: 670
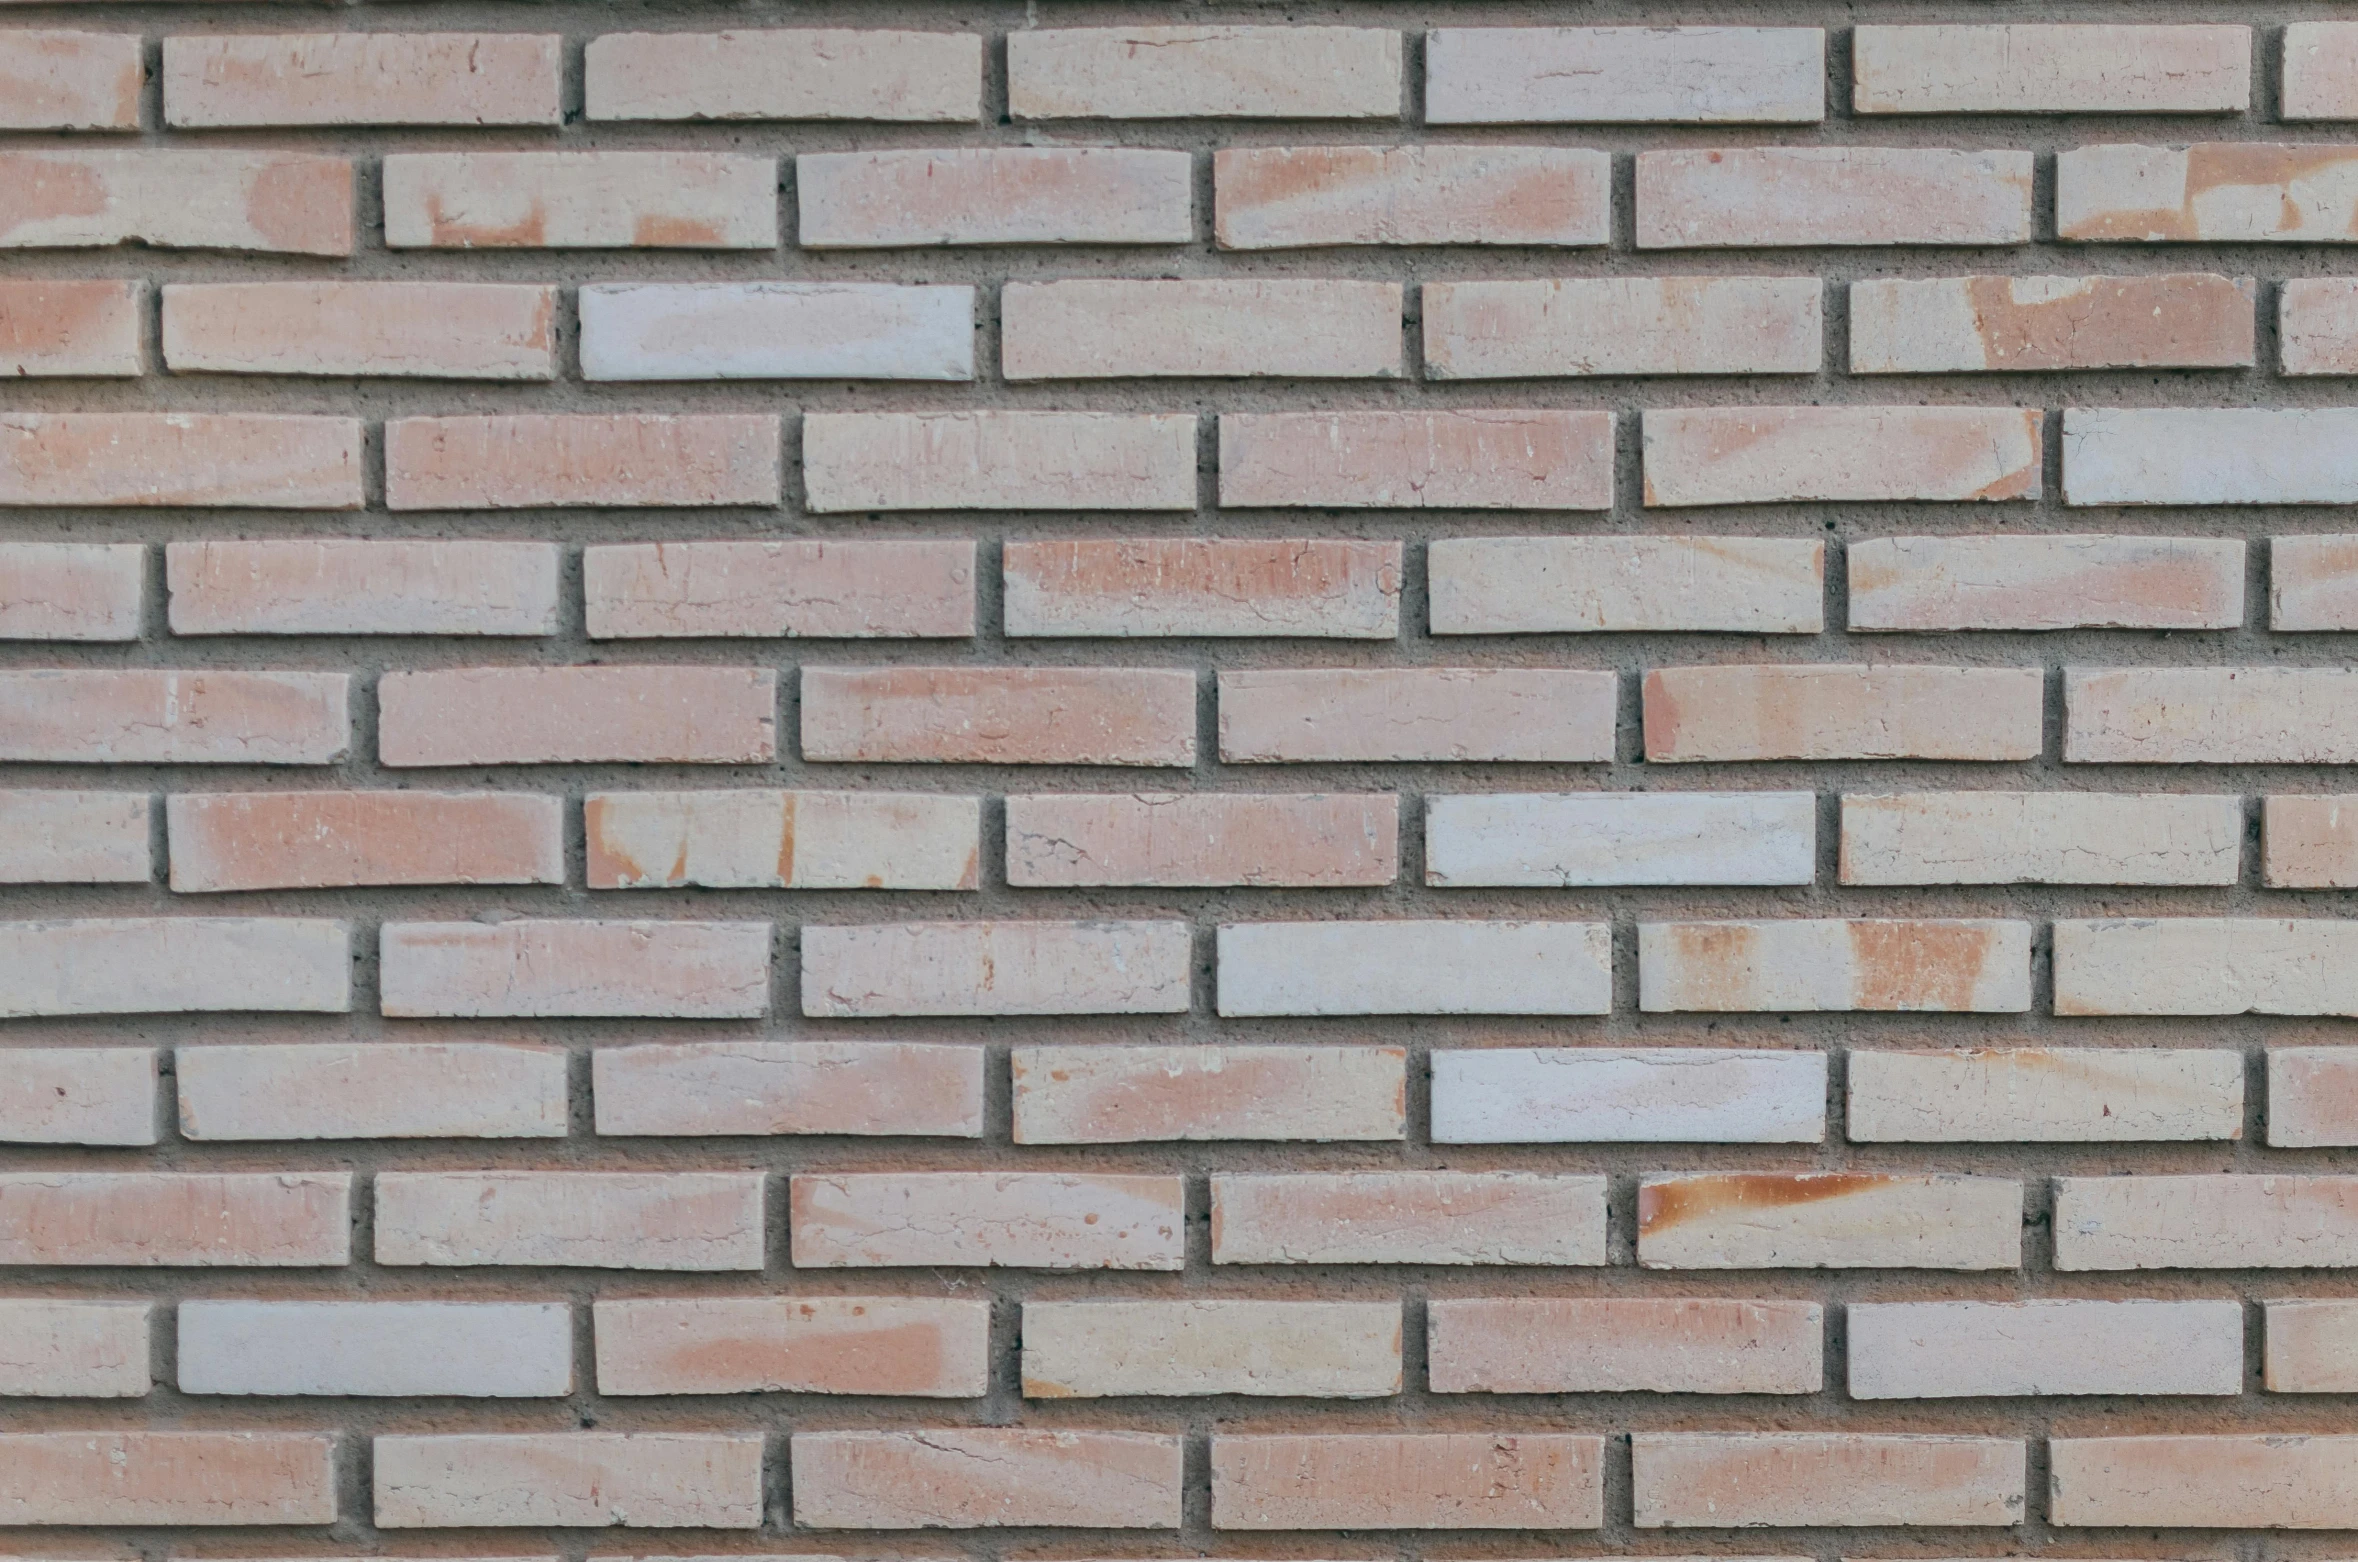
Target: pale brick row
x: 776, y: 331
x: 1578, y: 585
x: 74, y: 1349
x: 362, y: 78
x: 1483, y: 460
x: 2212, y: 1482
x: 998, y: 715
x: 1408, y: 1217
x: 1625, y: 75
x: 50, y: 328
x: 1949, y: 1350
x: 2082, y: 69
x: 995, y: 968
x: 473, y: 1350
x: 2211, y: 455
x: 1652, y: 1095
x: 2067, y: 1095
x: 2206, y: 965
x: 1094, y: 1350
x: 2053, y: 582
x: 998, y: 461
x: 53, y: 79
x: 1783, y: 455
x: 1414, y: 967
x: 662, y: 1480
x: 785, y: 73
x: 408, y: 330
x: 1154, y: 587
x: 1976, y: 837
x: 2220, y: 1221
x: 699, y: 1089
x: 352, y: 587
x: 2312, y: 1097
x: 994, y: 195
x: 370, y: 1090
x: 550, y: 968
x: 1408, y: 1480
x: 1416, y: 714
x: 1093, y: 330
x: 1592, y: 839
x: 534, y: 461
x: 1017, y: 1220
x: 1177, y: 839
x: 1622, y: 326
x: 1718, y: 1480
x: 76, y: 837
x: 1121, y: 1095
x: 835, y: 589
x: 175, y: 965
x: 1532, y: 1346
x: 1821, y: 711
x: 575, y: 715
x: 1297, y: 197
x: 986, y: 1478
x: 78, y: 1095
x: 1810, y: 196
x: 1221, y: 72
x: 2318, y: 59
x: 669, y: 1220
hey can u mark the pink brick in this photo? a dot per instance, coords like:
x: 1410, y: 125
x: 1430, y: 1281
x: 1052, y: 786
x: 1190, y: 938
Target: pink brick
x: 2032, y: 69
x: 124, y: 1479
x: 71, y: 590
x: 986, y: 1477
x: 701, y: 1089
x: 60, y: 837
x: 1752, y: 197
x: 137, y: 716
x: 994, y: 195
x: 147, y: 1220
x: 782, y: 840
x: 679, y: 970
x: 2280, y: 1481
x: 74, y: 1349
x: 1408, y: 1217
x: 356, y: 78
x: 1175, y: 839
x: 2210, y: 715
x: 1430, y: 1480
x: 1224, y: 72
x: 341, y: 840
x: 58, y: 80
x: 2316, y: 325
x: 826, y: 590
x: 1126, y: 1095
x: 1625, y: 75
x: 1013, y: 1220
x: 2312, y: 1347
x: 995, y: 968
x: 1777, y: 455
x: 2209, y: 192
x: 175, y: 965
x: 580, y: 200
x: 2320, y: 59
x: 568, y: 715
x: 999, y: 715
x: 2312, y: 1095
x: 1965, y: 325
x: 70, y: 328
x: 1183, y: 586
x: 1825, y: 711
x: 1299, y: 197
x: 351, y: 587
x: 657, y: 1480
x: 1485, y: 460
x: 1716, y: 1480
x: 2313, y: 582
x: 998, y: 461
x: 681, y: 1220
x: 371, y: 1090
x: 508, y: 463
x: 2310, y: 842
x: 1436, y: 714
x: 2052, y: 582
x: 1623, y: 325
x: 216, y: 459
x: 1088, y: 329
x: 919, y: 1346
x: 77, y: 1095
x: 408, y: 330
x: 786, y: 73
x: 288, y: 203
x: 1625, y: 1346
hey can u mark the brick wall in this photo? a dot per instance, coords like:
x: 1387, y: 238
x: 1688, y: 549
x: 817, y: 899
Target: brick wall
x: 1357, y: 782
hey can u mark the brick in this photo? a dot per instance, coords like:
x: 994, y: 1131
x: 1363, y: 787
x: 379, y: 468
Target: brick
x: 999, y: 968
x: 776, y: 331
x: 790, y: 1087
x: 2256, y: 1482
x: 2211, y: 192
x: 78, y: 1095
x: 1755, y: 197
x: 340, y: 840
x: 994, y: 195
x: 53, y: 79
x: 1095, y: 1350
x: 1828, y: 1220
x: 1315, y: 196
x: 2206, y: 1222
x: 1481, y: 460
x: 1820, y: 711
x: 2316, y: 326
x: 67, y: 327
x: 1432, y: 714
x: 306, y: 586
x: 1409, y: 1217
x: 1414, y: 967
x: 1131, y: 1095
x: 1779, y: 455
x: 2210, y: 455
x: 2310, y: 842
x: 1625, y: 585
x: 2312, y: 1347
x: 2318, y: 60
x: 1978, y: 324
x: 1748, y: 1479
x: 577, y: 715
x: 73, y: 1349
x: 706, y: 1222
x: 471, y: 1350
x: 1953, y: 1350
x: 1220, y: 72
x: 2313, y: 582
x: 1323, y: 588
x: 1834, y: 965
x: 408, y: 330
x: 1178, y: 839
x: 175, y: 965
x: 999, y: 715
x: 781, y: 840
x: 856, y: 589
x: 2055, y: 1095
x: 211, y: 459
x: 263, y: 202
x: 919, y: 1346
x: 1408, y: 1480
x: 1091, y: 329
x: 1625, y: 75
x: 371, y: 1090
x: 1624, y: 1346
x: 2131, y: 69
x: 181, y: 1220
x: 2312, y: 1096
x: 2206, y: 965
x: 2210, y: 715
x: 626, y: 459
x: 580, y: 200
x: 786, y: 73
x: 362, y: 78
x: 56, y: 837
x: 998, y: 461
x: 1010, y: 1220
x: 645, y: 1480
x: 1591, y: 839
x: 2053, y: 582
x: 2040, y: 838
x: 676, y: 970
x: 985, y: 1477
x: 1581, y: 326
x: 149, y: 1478
x: 1645, y: 1095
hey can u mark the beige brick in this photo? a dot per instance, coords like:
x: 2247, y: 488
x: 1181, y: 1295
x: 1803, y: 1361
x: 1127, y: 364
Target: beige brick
x: 1834, y: 965
x: 2121, y: 69
x: 781, y: 840
x: 2209, y: 192
x: 78, y: 1095
x: 577, y: 715
x: 677, y: 970
x: 624, y: 459
x: 1747, y: 1479
x: 1324, y: 588
x: 919, y: 1346
x: 2206, y: 1222
x: 472, y: 1350
x: 1821, y: 711
x: 181, y: 1220
x: 776, y: 331
x: 362, y: 78
x: 74, y: 1349
x: 284, y: 203
x: 2313, y: 582
x: 2040, y: 838
x: 1587, y: 839
x: 986, y: 1477
x: 408, y: 330
x: 998, y: 461
x: 2066, y: 1095
x: 1625, y: 75
x: 1435, y: 714
x: 2319, y: 59
x: 1828, y: 1220
x: 152, y: 1478
x: 580, y: 200
x: 2282, y: 1481
x: 1778, y: 455
x: 371, y: 1090
x: 995, y: 968
x: 175, y: 965
x: 2210, y: 715
x: 675, y: 1220
x: 2211, y: 455
x: 1179, y: 839
x: 1000, y: 715
x: 56, y: 837
x: 1598, y: 1095
x: 340, y: 840
x: 1751, y: 197
x: 215, y: 460
x: 1128, y: 1095
x: 1624, y: 585
x: 1408, y: 1480
x: 2207, y: 965
x: 789, y: 1087
x: 66, y: 327
x: 350, y: 587
x: 1301, y: 197
x: 786, y: 73
x: 1415, y: 967
x: 2312, y: 1347
x: 857, y: 589
x: 2312, y: 1096
x: 1482, y: 460
x: 645, y: 1480
x: 1975, y: 324
x: 137, y: 716
x: 1011, y: 1220
x: 1226, y: 72
x: 1094, y: 1350
x: 1624, y: 1346
x: 1408, y: 1217
x: 71, y: 590
x: 1090, y: 329
x: 53, y: 79
x: 995, y: 195
x: 1975, y: 1350
x: 1524, y: 329
x: 2051, y: 582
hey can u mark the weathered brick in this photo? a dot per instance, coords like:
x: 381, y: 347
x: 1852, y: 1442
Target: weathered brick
x: 1753, y: 197
x: 306, y: 586
x: 682, y: 1220
x: 1227, y: 72
x: 53, y: 79
x: 1976, y: 1350
x: 2211, y: 455
x: 781, y: 840
x: 1094, y: 329
x: 2210, y: 715
x: 2048, y: 69
x: 2255, y: 1482
x: 645, y: 1480
x: 1095, y: 1350
x: 574, y: 715
x: 1625, y: 75
x: 2052, y: 582
x: 65, y: 327
x: 1408, y: 1480
x: 2313, y: 582
x: 362, y: 78
x: 1488, y: 330
x: 1966, y: 325
x: 2312, y: 1096
x: 78, y: 1095
x: 2312, y: 1347
x: 2040, y: 838
x: 1717, y: 1480
x: 2207, y: 965
x: 1415, y: 967
x: 2210, y: 192
x: 998, y: 461
x: 1779, y: 455
x: 921, y: 1346
x: 623, y: 459
x: 1436, y: 714
x: 2067, y: 1095
x: 1179, y: 839
x: 1481, y: 460
x: 994, y: 195
x: 1803, y: 965
x: 2206, y: 1222
x: 785, y: 73
x: 1646, y: 1095
x: 1299, y: 197
x: 1622, y: 585
x: 789, y: 1087
x: 470, y: 1350
x: 371, y: 1090
x: 579, y: 200
x: 1000, y: 715
x: 677, y: 970
x: 837, y: 589
x: 1590, y: 839
x: 776, y: 331
x: 181, y: 1220
x: 1012, y: 1220
x: 1823, y: 711
x: 283, y: 203
x: 55, y: 837
x: 1624, y: 1346
x: 408, y: 330
x: 175, y: 965
x: 148, y: 1478
x: 986, y: 1477
x: 1128, y: 1095
x: 73, y: 1349
x: 2319, y: 58
x: 136, y: 716
x: 1828, y: 1220
x: 1324, y: 588
x: 340, y: 840
x: 995, y: 968
x: 246, y: 460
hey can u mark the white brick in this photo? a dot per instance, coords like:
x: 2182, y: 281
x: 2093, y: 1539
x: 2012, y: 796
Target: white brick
x: 1589, y: 839
x: 1625, y: 75
x: 2041, y: 838
x: 1576, y: 585
x: 2210, y: 455
x: 2207, y: 965
x: 77, y: 1095
x: 776, y: 331
x: 473, y: 1350
x: 1974, y: 1350
x: 168, y: 965
x: 2059, y: 1095
x: 1330, y: 1350
x: 1652, y: 1095
x: 1406, y: 967
x: 2015, y: 582
x: 73, y: 1349
x: 372, y: 1090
